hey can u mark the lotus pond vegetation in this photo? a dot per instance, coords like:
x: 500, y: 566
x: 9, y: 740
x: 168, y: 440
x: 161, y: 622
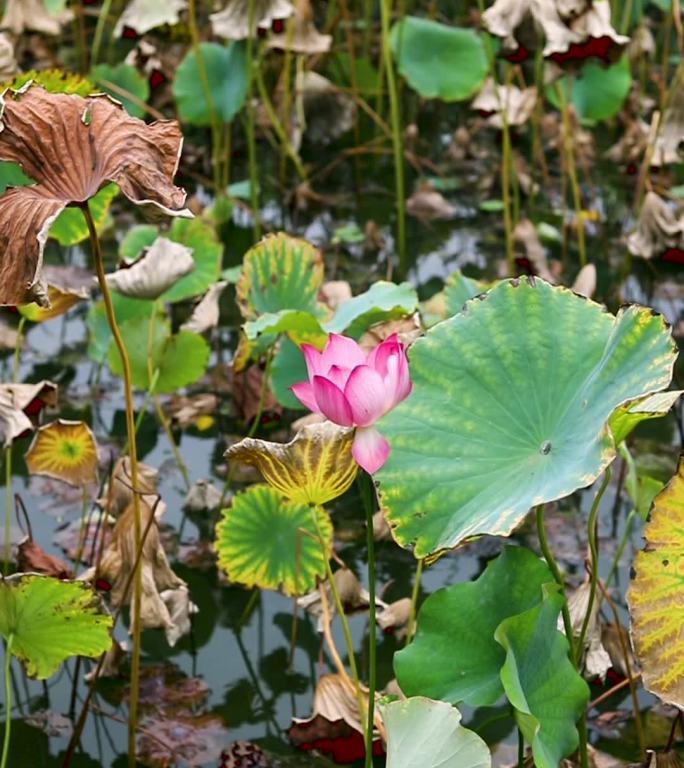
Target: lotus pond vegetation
x: 339, y: 383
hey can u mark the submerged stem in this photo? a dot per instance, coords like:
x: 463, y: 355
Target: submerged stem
x: 8, y: 702
x: 133, y: 455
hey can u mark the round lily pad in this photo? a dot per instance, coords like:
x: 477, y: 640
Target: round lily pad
x: 509, y: 409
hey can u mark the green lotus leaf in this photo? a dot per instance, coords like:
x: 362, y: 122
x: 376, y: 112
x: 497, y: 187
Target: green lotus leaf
x: 454, y: 656
x: 11, y: 175
x: 656, y: 595
x: 264, y: 541
x: 280, y: 272
x: 138, y: 237
x: 207, y: 252
x: 49, y: 620
x: 458, y: 289
x: 429, y: 734
x: 226, y: 71
x: 70, y: 227
x: 626, y: 417
x: 509, y: 409
x: 126, y: 78
x: 540, y: 681
x: 597, y: 92
x: 99, y: 333
x: 180, y: 358
x: 439, y: 62
x: 382, y: 301
x: 288, y: 367
x: 299, y: 326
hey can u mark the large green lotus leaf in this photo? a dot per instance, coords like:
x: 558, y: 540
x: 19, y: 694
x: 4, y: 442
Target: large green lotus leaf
x: 207, y: 252
x: 127, y: 78
x: 382, y: 301
x: 288, y: 367
x: 70, y: 227
x: 439, y: 62
x: 264, y: 541
x: 50, y: 620
x: 509, y: 408
x: 626, y: 417
x: 458, y: 289
x: 226, y: 71
x: 280, y: 272
x: 300, y: 326
x: 99, y: 333
x: 598, y: 92
x: 429, y: 734
x: 454, y: 656
x: 540, y: 681
x: 180, y: 359
x: 656, y: 596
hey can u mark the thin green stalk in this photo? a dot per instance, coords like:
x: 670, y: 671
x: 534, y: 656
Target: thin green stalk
x: 251, y: 136
x: 8, y: 508
x: 133, y: 455
x: 99, y: 29
x: 414, y: 602
x: 367, y: 493
x: 593, y: 547
x: 8, y: 702
x: 621, y: 546
x: 17, y: 349
x: 395, y: 120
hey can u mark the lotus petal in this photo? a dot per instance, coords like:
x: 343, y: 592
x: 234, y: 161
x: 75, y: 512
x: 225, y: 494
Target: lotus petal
x: 72, y: 146
x: 160, y: 266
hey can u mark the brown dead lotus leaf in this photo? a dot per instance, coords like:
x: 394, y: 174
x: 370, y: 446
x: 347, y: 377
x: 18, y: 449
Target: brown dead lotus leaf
x: 20, y: 405
x: 144, y: 15
x: 66, y: 451
x: 659, y: 228
x: 232, y: 22
x: 334, y: 292
x: 299, y: 35
x: 613, y: 637
x: 243, y: 754
x: 71, y: 147
x: 335, y: 719
x: 595, y: 658
x: 498, y: 101
x: 67, y: 286
x: 642, y: 43
x: 202, y: 497
x: 32, y: 16
x: 394, y: 618
x: 158, y: 268
x: 664, y: 759
x: 381, y: 529
x: 166, y: 688
x: 525, y: 233
x: 408, y: 329
x: 165, y: 601
x: 585, y: 282
x: 315, y: 467
x: 630, y: 148
x: 121, y: 495
x: 427, y: 204
x: 353, y: 596
x: 192, y: 411
x: 328, y: 111
x: 32, y: 558
x: 205, y: 316
x: 671, y: 133
x: 190, y: 740
x: 246, y: 391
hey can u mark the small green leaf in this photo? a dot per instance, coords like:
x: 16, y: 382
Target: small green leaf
x: 183, y: 362
x: 540, y: 681
x: 454, y: 656
x: 382, y: 301
x: 439, y: 61
x: 226, y: 71
x: 51, y: 620
x: 207, y: 253
x: 624, y: 420
x: 429, y: 734
x: 299, y: 326
x: 11, y: 175
x: 127, y: 78
x: 264, y: 541
x: 70, y: 226
x: 136, y: 239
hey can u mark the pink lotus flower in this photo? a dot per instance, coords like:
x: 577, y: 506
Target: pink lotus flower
x: 353, y: 389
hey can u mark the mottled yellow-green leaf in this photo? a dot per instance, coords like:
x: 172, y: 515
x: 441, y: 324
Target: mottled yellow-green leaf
x: 313, y: 468
x: 266, y: 541
x: 65, y: 450
x: 626, y: 417
x: 279, y: 272
x: 656, y: 596
x: 61, y: 301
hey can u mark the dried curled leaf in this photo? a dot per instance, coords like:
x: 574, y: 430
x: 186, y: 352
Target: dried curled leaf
x: 656, y: 595
x: 72, y: 146
x: 313, y: 468
x: 159, y: 267
x: 118, y: 493
x: 144, y: 15
x: 67, y: 286
x: 205, y: 316
x: 302, y: 36
x: 20, y: 404
x: 595, y: 658
x: 671, y: 133
x: 498, y: 101
x: 65, y: 450
x: 31, y: 16
x: 660, y: 228
x: 233, y: 21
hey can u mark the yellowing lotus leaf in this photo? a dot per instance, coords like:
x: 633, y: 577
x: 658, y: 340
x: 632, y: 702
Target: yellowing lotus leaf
x: 626, y: 417
x: 65, y: 450
x: 66, y: 287
x: 313, y: 468
x: 656, y: 596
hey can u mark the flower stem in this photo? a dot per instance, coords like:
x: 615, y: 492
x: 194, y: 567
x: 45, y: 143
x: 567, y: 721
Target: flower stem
x: 367, y: 494
x: 395, y: 119
x: 414, y: 602
x: 133, y: 454
x: 8, y: 702
x: 8, y: 509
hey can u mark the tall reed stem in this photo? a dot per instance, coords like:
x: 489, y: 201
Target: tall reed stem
x: 133, y: 454
x: 367, y: 492
x: 395, y: 120
x: 251, y: 138
x: 8, y: 702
